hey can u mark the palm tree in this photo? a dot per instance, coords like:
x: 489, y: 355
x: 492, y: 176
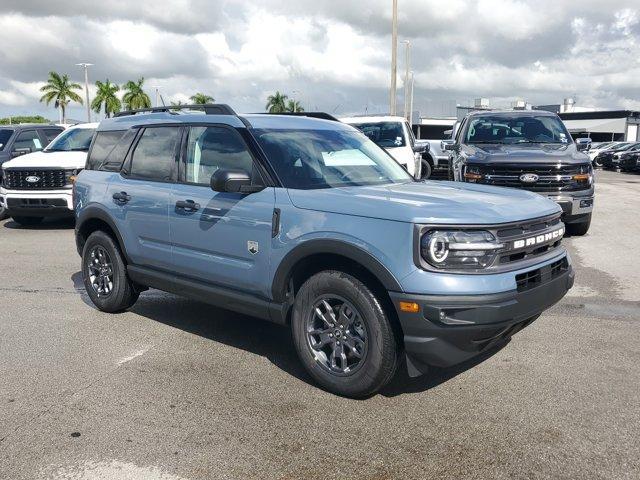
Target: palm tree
x: 277, y: 103
x: 106, y: 95
x: 177, y: 103
x: 61, y: 91
x: 135, y: 97
x: 201, y: 99
x: 294, y: 106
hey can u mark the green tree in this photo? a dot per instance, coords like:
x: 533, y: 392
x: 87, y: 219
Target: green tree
x: 60, y: 90
x: 294, y: 106
x: 277, y: 103
x: 24, y: 119
x: 201, y: 99
x: 135, y: 97
x: 106, y: 96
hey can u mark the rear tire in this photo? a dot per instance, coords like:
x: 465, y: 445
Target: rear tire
x: 104, y: 274
x: 28, y: 221
x: 579, y: 229
x: 343, y: 336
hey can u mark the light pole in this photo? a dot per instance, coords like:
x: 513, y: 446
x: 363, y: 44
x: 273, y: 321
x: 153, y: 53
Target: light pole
x: 294, y: 93
x: 407, y: 49
x: 86, y: 86
x: 394, y: 58
x: 411, y: 100
x: 157, y: 89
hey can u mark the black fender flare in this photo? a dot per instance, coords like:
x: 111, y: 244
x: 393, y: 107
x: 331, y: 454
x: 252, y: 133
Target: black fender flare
x: 327, y: 246
x: 93, y: 212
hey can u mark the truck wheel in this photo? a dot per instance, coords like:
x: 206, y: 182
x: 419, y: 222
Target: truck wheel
x: 28, y: 221
x: 343, y: 336
x: 579, y: 229
x: 425, y: 171
x: 3, y: 213
x: 105, y: 275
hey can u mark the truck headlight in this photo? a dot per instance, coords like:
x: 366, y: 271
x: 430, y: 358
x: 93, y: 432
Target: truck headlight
x: 458, y: 249
x: 472, y: 174
x: 70, y: 176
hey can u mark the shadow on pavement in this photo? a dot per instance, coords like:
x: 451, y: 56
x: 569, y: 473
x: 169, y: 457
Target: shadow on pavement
x: 47, y: 224
x: 264, y: 338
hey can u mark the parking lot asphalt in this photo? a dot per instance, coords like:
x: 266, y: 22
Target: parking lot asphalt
x: 175, y: 389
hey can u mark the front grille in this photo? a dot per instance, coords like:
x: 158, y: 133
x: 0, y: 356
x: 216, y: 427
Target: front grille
x: 534, y: 278
x: 16, y: 179
x: 551, y: 178
x: 527, y: 230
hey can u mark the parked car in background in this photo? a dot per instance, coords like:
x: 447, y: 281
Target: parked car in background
x: 17, y: 140
x: 38, y: 184
x: 610, y: 158
x: 307, y: 223
x: 596, y: 149
x: 395, y: 135
x: 530, y: 150
x: 630, y: 161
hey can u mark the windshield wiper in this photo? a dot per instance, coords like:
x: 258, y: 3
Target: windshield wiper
x: 486, y: 141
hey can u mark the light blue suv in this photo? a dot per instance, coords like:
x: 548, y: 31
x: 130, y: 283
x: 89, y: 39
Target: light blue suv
x: 306, y: 222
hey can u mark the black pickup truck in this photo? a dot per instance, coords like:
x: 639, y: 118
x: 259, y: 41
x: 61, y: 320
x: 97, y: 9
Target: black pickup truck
x: 530, y: 150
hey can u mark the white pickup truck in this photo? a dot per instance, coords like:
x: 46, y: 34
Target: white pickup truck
x: 395, y: 135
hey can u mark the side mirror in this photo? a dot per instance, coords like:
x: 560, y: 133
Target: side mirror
x: 17, y: 152
x: 421, y: 147
x: 233, y: 181
x: 583, y: 144
x: 447, y: 145
x: 448, y: 133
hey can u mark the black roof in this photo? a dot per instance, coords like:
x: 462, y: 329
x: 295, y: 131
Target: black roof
x: 30, y: 126
x: 536, y: 113
x: 599, y: 114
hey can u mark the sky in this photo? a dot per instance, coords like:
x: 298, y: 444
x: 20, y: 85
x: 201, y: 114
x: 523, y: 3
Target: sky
x: 331, y: 55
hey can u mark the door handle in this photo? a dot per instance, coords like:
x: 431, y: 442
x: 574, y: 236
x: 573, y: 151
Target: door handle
x: 121, y: 197
x: 188, y: 205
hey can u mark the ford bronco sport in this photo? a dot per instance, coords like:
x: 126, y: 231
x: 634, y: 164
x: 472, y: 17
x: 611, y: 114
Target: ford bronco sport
x: 306, y: 222
x: 530, y: 150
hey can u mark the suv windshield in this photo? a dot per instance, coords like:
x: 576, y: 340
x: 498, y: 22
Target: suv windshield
x: 72, y: 140
x: 5, y: 135
x: 385, y: 134
x: 516, y: 129
x: 306, y: 159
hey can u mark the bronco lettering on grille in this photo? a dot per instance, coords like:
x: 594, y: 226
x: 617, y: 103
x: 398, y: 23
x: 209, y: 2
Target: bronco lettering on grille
x: 539, y: 239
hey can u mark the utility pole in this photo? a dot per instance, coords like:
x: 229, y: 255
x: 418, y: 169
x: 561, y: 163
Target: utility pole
x: 394, y: 58
x: 86, y: 86
x: 157, y: 88
x: 407, y: 44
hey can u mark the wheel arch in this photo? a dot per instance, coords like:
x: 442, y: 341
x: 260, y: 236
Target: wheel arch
x: 92, y: 219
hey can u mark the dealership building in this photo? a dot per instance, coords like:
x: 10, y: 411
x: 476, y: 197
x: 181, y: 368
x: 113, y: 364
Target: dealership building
x: 604, y: 125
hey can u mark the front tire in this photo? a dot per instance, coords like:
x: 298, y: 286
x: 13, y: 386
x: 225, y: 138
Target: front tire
x: 28, y: 221
x: 425, y: 171
x: 579, y: 229
x: 105, y: 275
x: 343, y: 336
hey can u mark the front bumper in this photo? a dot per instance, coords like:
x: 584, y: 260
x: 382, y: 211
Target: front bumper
x: 42, y: 203
x: 576, y: 206
x: 450, y: 329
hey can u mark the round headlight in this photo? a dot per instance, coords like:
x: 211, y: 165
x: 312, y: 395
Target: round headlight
x: 438, y: 248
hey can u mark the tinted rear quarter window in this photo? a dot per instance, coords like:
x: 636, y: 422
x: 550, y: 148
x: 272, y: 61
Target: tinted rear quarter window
x: 154, y: 156
x: 51, y: 133
x: 103, y: 144
x: 5, y: 136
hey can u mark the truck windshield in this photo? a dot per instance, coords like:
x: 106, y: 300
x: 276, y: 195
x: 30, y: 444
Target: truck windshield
x: 385, y: 134
x: 516, y: 129
x: 5, y: 135
x: 72, y: 140
x: 307, y: 159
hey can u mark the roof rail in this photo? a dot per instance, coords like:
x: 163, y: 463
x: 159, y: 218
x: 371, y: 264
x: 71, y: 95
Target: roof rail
x: 321, y: 115
x: 209, y: 109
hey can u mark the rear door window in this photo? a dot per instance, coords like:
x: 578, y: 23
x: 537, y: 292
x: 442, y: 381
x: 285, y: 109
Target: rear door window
x: 5, y: 136
x: 154, y: 157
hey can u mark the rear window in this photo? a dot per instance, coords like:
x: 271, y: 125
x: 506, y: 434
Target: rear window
x: 103, y: 144
x: 384, y: 134
x: 5, y: 136
x: 52, y: 133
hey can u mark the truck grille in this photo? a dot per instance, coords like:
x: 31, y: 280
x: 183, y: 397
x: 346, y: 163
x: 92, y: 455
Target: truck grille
x: 532, y: 279
x: 50, y: 179
x: 526, y: 230
x: 550, y: 178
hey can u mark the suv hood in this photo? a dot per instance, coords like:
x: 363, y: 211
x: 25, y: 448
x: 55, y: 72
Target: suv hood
x: 66, y: 160
x: 436, y: 202
x: 536, y: 153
